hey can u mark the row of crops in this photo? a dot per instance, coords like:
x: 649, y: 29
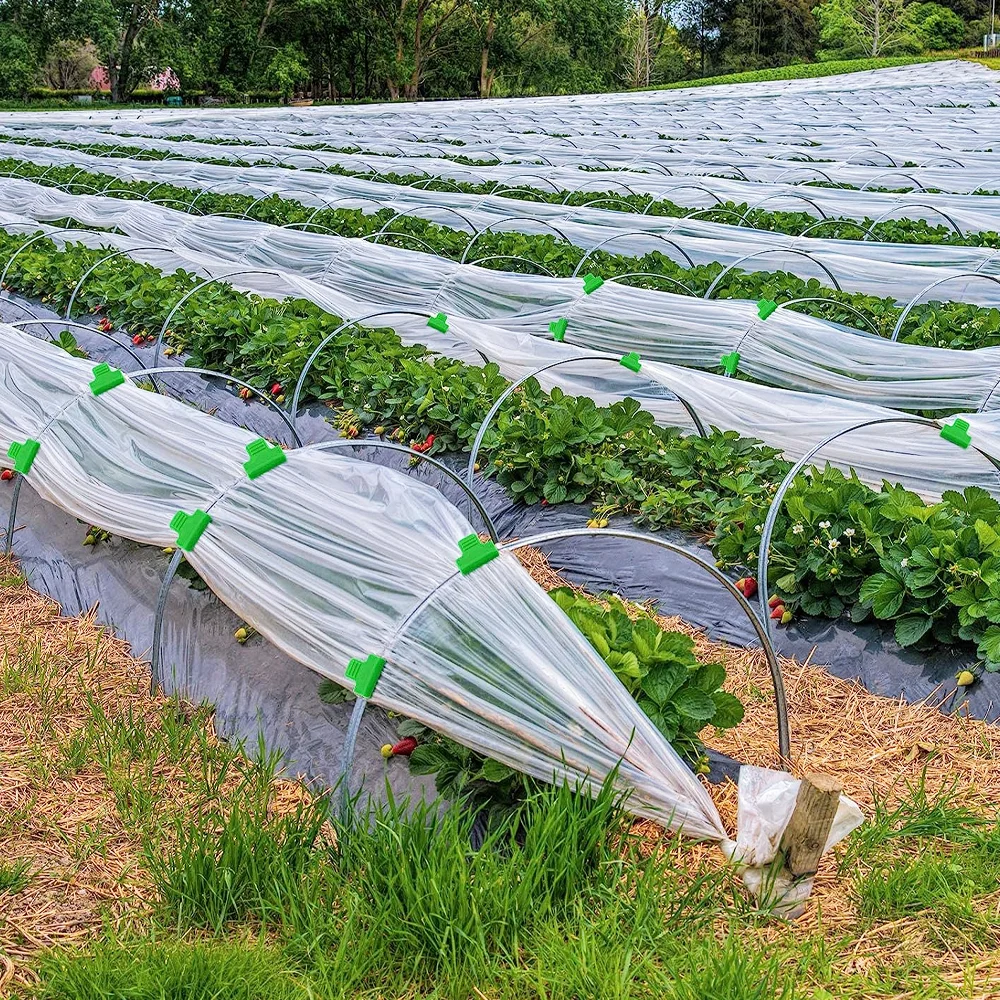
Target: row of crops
x: 532, y: 286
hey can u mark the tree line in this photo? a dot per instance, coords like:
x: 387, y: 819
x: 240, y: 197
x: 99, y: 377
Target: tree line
x: 409, y: 49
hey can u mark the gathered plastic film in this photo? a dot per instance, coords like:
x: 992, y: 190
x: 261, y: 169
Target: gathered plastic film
x: 354, y: 278
x: 795, y: 422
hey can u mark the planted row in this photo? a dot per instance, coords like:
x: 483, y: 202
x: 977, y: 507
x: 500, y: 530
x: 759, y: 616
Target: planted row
x: 904, y: 230
x: 954, y: 325
x: 839, y: 546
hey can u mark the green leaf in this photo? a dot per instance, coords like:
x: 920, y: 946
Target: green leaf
x: 729, y: 710
x: 692, y: 703
x: 428, y: 758
x: 989, y: 645
x: 709, y: 677
x: 663, y: 680
x: 912, y: 628
x: 888, y: 598
x: 493, y: 771
x: 410, y: 727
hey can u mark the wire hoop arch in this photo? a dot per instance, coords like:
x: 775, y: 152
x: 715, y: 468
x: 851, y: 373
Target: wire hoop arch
x: 908, y: 308
x: 781, y: 707
x: 639, y: 233
x: 772, y: 250
x: 192, y: 291
x: 775, y: 509
x: 505, y: 395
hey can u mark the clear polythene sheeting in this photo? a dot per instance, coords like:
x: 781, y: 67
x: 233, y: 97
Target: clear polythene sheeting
x: 331, y: 558
x: 354, y: 278
x: 898, y: 270
x: 969, y: 213
x: 794, y: 422
x: 958, y: 172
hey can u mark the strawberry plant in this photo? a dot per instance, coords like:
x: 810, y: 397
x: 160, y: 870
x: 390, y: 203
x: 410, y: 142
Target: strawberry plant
x: 954, y: 324
x: 658, y: 668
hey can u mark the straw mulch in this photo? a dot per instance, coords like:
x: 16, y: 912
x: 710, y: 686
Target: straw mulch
x: 877, y: 748
x: 88, y: 868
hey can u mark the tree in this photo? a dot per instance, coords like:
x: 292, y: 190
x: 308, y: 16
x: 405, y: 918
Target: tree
x: 118, y: 28
x: 17, y: 65
x: 489, y: 15
x: 871, y: 27
x: 70, y: 64
x: 287, y: 68
x: 415, y: 26
x: 936, y: 26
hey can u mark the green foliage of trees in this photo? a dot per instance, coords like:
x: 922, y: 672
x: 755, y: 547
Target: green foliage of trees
x: 410, y: 49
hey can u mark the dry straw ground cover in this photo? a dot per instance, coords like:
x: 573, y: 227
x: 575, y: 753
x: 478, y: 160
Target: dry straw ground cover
x: 95, y: 775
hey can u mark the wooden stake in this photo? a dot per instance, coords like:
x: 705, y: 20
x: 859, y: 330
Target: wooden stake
x: 806, y: 834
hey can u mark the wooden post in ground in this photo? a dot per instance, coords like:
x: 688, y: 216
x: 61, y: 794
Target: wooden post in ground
x: 802, y: 843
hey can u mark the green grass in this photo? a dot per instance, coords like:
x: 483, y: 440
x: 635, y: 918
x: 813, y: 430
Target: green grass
x: 14, y: 876
x: 561, y: 902
x: 170, y: 970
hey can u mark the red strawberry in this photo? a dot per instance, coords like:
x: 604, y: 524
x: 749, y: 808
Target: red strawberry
x: 747, y: 586
x: 777, y: 613
x: 404, y: 747
x: 106, y: 325
x: 7, y: 474
x: 774, y: 602
x: 245, y: 393
x: 138, y: 339
x: 276, y: 389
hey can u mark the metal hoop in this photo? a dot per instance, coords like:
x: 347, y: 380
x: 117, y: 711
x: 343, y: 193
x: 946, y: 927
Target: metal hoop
x: 505, y: 395
x: 761, y: 253
x: 773, y: 197
x: 916, y: 298
x: 185, y: 370
x: 63, y: 323
x: 499, y: 222
x: 346, y: 325
x: 618, y: 236
x: 198, y: 288
x: 780, y: 704
x: 93, y: 267
x: 896, y: 208
x: 775, y: 508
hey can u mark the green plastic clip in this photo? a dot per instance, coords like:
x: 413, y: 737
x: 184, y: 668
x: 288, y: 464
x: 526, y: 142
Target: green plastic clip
x: 23, y: 453
x: 558, y: 328
x: 365, y: 674
x: 631, y: 361
x: 475, y: 553
x: 105, y: 377
x: 591, y: 282
x: 730, y: 362
x: 765, y: 307
x: 189, y: 528
x: 439, y: 323
x: 957, y: 433
x: 263, y: 458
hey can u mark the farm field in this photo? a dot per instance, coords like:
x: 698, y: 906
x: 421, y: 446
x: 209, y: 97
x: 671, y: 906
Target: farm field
x: 604, y: 465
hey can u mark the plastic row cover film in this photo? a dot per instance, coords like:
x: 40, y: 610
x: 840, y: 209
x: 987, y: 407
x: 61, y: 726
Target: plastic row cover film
x: 331, y: 558
x: 970, y: 213
x: 355, y: 278
x: 795, y: 422
x: 899, y: 270
x: 960, y: 172
x: 262, y: 690
x: 903, y: 112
